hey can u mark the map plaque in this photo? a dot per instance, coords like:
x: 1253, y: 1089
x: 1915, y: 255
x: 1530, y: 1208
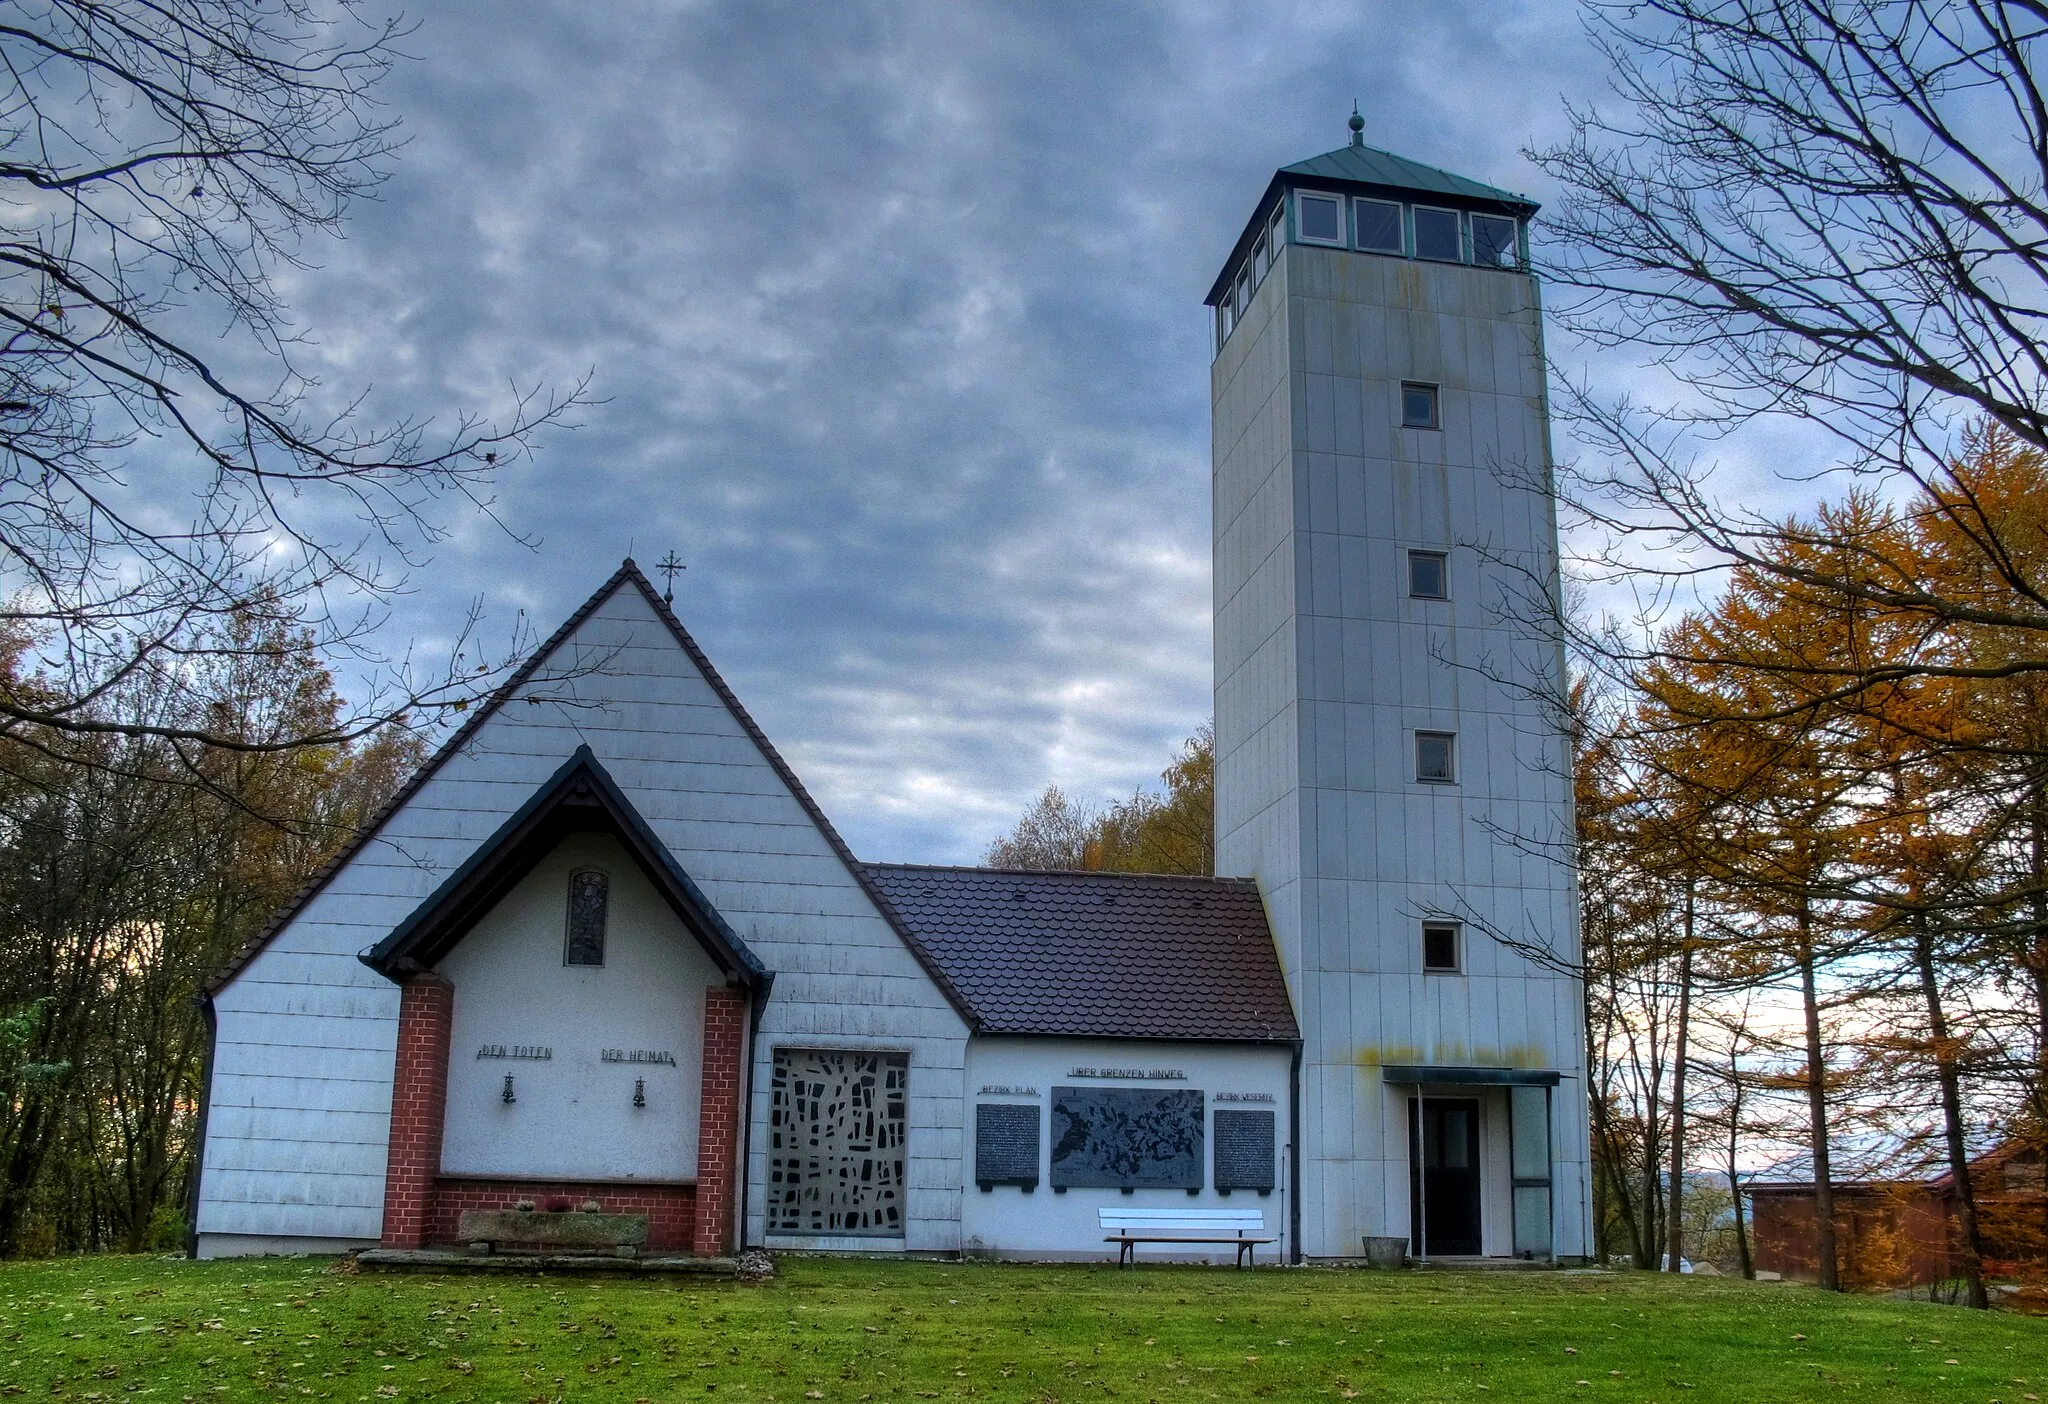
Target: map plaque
x: 1126, y: 1138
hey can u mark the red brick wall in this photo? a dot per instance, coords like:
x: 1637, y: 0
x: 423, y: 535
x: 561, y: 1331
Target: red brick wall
x: 670, y: 1209
x: 422, y: 1206
x: 419, y: 1106
x: 718, y: 1118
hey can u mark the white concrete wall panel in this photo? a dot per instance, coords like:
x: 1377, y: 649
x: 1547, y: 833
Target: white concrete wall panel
x: 1004, y: 1221
x: 1372, y: 850
x: 621, y: 685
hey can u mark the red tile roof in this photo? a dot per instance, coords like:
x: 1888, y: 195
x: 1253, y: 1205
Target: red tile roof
x: 1103, y: 955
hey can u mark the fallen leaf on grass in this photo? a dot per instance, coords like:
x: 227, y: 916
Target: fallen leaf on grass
x: 1571, y: 1350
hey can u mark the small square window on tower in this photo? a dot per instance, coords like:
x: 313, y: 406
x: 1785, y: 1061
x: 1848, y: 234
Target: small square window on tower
x: 1440, y: 947
x: 1319, y: 219
x: 1418, y: 405
x: 1435, y: 760
x: 1428, y: 575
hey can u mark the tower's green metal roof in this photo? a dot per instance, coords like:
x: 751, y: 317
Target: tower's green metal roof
x: 1368, y: 165
x: 1371, y: 171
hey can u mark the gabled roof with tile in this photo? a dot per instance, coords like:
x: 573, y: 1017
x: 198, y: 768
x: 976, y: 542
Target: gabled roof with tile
x: 628, y: 576
x: 1098, y: 955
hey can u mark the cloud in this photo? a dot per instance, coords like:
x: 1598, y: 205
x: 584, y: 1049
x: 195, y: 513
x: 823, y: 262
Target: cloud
x: 896, y: 315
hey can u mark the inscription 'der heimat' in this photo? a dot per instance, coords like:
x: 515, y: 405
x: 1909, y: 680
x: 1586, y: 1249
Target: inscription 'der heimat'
x: 514, y: 1050
x: 637, y: 1055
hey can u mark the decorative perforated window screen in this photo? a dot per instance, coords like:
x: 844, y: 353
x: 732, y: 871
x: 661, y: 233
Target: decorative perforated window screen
x: 835, y: 1142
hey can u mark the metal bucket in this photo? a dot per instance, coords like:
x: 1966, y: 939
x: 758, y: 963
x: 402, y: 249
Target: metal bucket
x: 1386, y: 1252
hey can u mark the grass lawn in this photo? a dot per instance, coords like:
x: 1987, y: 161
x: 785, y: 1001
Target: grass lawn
x: 168, y: 1330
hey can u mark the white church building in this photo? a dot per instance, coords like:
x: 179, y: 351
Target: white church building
x: 605, y: 947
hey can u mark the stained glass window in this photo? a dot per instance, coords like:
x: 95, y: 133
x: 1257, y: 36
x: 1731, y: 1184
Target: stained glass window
x: 836, y: 1139
x: 589, y: 896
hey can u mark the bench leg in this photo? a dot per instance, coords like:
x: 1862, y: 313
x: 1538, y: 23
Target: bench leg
x: 1127, y: 1254
x: 1247, y: 1250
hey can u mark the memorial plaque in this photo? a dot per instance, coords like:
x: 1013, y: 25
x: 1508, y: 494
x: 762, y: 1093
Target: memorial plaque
x: 1005, y: 1144
x: 1126, y: 1138
x: 1244, y: 1151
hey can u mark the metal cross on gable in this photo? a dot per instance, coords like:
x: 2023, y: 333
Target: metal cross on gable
x: 668, y: 565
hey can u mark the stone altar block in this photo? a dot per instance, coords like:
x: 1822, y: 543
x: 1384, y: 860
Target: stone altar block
x: 575, y: 1231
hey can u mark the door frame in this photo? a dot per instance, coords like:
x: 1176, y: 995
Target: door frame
x: 1418, y: 1192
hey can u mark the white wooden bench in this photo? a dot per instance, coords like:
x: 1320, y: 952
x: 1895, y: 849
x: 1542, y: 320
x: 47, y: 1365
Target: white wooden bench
x: 1242, y: 1229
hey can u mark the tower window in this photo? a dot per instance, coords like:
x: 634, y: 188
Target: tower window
x: 1428, y: 575
x: 1435, y: 758
x: 1260, y: 258
x: 1493, y: 243
x: 1437, y: 235
x: 1379, y: 226
x: 589, y: 897
x: 1418, y: 406
x: 1319, y: 219
x: 1440, y: 947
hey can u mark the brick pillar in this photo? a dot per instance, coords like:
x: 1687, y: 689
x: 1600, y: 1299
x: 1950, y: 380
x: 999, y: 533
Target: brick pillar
x: 718, y: 1119
x: 419, y: 1105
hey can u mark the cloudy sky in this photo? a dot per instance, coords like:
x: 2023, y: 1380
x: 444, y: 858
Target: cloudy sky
x: 895, y: 313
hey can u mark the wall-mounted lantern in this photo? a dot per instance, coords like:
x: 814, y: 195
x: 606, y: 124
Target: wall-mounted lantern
x: 639, y: 1091
x: 509, y: 1095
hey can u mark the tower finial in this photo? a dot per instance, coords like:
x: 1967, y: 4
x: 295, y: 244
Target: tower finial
x: 1357, y: 126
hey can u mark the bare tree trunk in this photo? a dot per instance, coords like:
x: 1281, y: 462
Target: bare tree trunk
x: 1951, y: 1112
x: 1674, y: 1232
x: 2036, y: 957
x: 1817, y: 1109
x: 1735, y: 1181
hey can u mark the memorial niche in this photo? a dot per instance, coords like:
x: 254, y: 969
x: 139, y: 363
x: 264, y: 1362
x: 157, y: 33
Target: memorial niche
x: 1244, y: 1151
x: 1126, y: 1138
x: 1005, y: 1145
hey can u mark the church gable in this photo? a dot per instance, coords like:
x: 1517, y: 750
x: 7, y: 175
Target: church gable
x: 299, y: 1109
x: 624, y: 681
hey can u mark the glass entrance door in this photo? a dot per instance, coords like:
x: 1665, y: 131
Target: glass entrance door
x: 1443, y: 1176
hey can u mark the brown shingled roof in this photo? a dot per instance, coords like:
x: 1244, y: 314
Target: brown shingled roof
x: 1103, y: 955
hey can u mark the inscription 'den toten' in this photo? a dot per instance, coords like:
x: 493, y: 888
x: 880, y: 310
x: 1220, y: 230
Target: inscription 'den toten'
x: 514, y: 1050
x: 637, y: 1055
